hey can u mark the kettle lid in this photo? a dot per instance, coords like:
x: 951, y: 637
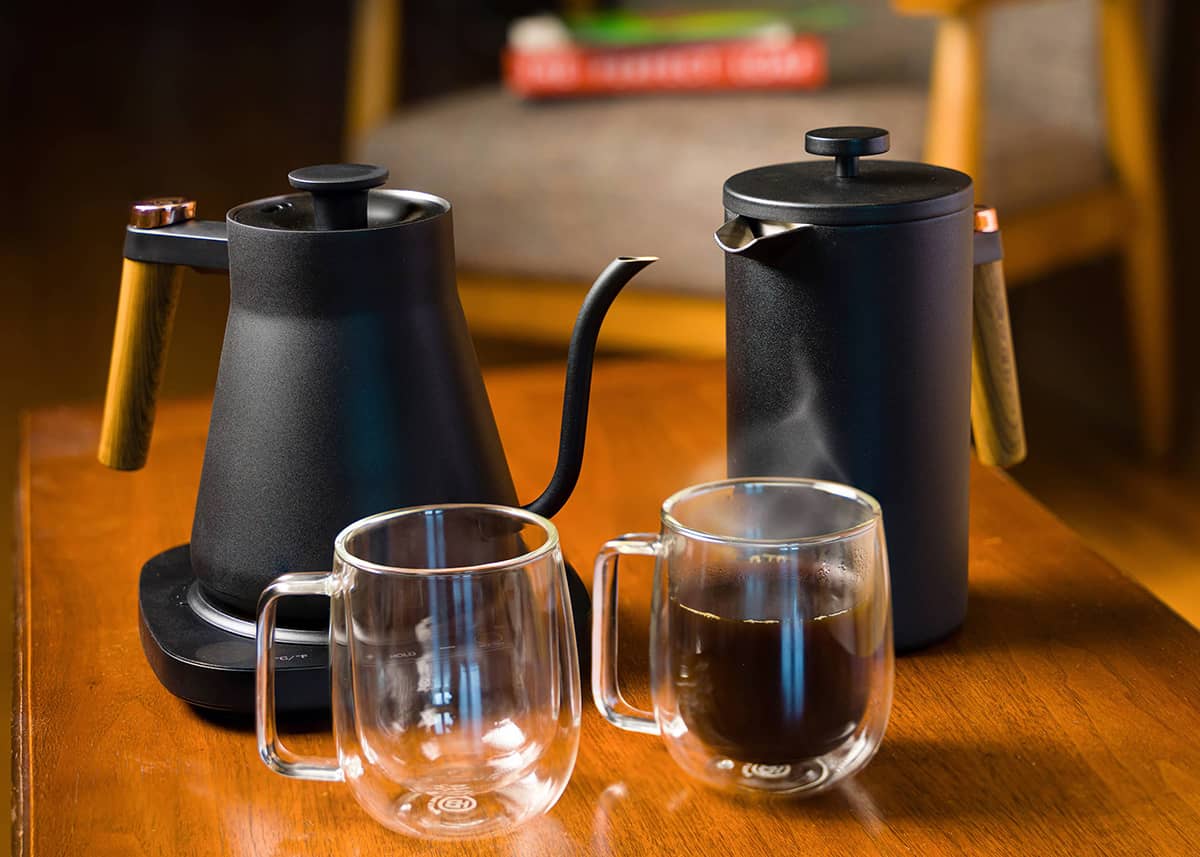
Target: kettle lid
x: 339, y: 197
x: 847, y: 192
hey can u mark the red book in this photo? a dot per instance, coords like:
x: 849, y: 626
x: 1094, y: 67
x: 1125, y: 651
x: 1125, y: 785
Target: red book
x: 799, y: 62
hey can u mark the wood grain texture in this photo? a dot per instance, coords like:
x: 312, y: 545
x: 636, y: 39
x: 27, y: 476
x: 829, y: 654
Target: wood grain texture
x: 20, y: 773
x: 1143, y: 519
x: 996, y: 420
x: 1060, y: 720
x: 145, y: 314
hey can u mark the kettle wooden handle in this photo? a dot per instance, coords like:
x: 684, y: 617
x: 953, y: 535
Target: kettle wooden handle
x: 996, y: 419
x: 145, y: 314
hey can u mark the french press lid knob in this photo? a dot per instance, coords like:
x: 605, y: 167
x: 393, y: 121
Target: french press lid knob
x: 339, y: 192
x: 847, y: 143
x: 871, y: 193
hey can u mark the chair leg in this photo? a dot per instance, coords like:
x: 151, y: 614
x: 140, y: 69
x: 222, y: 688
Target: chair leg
x: 1133, y: 149
x: 1147, y: 299
x: 954, y: 127
x: 373, y: 67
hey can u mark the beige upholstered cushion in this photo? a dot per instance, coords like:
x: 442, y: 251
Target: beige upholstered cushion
x: 555, y: 190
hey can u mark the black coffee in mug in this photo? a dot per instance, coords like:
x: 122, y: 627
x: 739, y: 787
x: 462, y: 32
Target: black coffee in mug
x: 774, y: 689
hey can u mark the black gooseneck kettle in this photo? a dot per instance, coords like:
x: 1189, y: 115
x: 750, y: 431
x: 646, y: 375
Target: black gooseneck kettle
x: 348, y: 385
x: 850, y: 354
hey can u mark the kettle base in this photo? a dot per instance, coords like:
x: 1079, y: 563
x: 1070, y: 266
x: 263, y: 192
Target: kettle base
x: 205, y: 658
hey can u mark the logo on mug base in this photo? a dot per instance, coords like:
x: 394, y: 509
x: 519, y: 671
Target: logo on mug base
x: 454, y: 804
x: 766, y: 772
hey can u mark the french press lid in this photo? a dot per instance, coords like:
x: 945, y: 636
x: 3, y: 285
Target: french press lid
x: 847, y: 191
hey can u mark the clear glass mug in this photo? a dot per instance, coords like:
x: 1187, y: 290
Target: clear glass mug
x: 770, y: 633
x: 454, y: 673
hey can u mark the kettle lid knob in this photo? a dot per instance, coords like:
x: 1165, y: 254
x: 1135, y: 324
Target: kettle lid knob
x: 339, y: 192
x: 847, y: 143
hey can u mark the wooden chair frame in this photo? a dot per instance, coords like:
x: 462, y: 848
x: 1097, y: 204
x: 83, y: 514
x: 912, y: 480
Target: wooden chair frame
x: 1125, y: 215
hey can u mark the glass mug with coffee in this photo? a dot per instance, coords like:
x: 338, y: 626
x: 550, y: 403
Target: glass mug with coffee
x: 454, y: 673
x: 770, y: 633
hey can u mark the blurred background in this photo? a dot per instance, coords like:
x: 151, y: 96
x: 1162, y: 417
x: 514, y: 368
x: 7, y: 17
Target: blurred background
x: 1077, y: 117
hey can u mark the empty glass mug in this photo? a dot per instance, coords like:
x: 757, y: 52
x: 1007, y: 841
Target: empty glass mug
x: 454, y: 673
x: 770, y: 633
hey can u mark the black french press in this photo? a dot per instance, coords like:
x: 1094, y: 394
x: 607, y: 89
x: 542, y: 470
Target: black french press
x: 850, y: 355
x: 348, y: 385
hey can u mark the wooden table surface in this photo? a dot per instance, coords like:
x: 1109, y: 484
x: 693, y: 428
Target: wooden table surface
x: 1063, y: 719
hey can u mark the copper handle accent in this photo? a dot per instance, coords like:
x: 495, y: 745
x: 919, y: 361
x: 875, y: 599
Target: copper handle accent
x: 986, y: 219
x: 996, y: 418
x: 145, y: 316
x: 161, y: 211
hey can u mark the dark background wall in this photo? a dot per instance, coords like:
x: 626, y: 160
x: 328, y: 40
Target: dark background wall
x: 113, y: 102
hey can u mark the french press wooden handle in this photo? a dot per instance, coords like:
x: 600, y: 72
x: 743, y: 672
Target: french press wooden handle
x: 145, y: 315
x: 996, y: 418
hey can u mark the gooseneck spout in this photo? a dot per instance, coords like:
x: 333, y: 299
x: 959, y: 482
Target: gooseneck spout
x: 580, y: 356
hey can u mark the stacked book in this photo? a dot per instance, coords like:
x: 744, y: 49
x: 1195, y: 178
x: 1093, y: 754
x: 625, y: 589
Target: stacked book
x: 614, y: 53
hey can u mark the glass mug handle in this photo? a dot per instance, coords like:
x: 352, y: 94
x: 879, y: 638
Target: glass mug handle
x: 605, y: 692
x: 277, y: 757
